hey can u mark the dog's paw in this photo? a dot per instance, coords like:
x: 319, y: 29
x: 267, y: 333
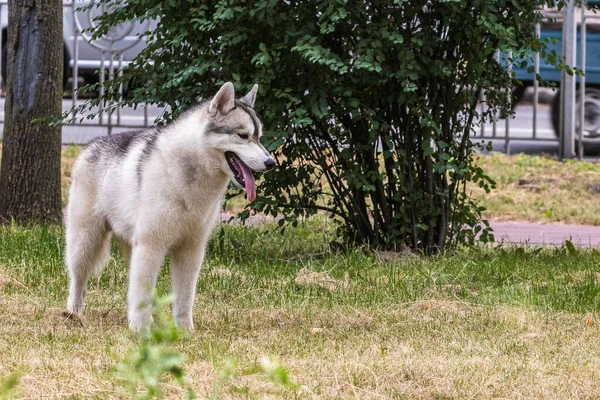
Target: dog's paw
x: 75, y: 305
x: 186, y: 324
x: 71, y: 316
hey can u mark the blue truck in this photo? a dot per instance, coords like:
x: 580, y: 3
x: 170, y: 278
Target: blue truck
x: 591, y: 104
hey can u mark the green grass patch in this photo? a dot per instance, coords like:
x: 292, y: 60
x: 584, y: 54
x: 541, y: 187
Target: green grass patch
x: 477, y: 323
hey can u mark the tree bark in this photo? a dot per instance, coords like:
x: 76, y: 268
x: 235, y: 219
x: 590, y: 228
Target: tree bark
x: 30, y: 167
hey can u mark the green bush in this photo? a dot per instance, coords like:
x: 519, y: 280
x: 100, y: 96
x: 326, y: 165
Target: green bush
x: 368, y: 106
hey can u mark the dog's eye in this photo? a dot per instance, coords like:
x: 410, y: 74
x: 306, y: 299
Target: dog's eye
x: 243, y: 135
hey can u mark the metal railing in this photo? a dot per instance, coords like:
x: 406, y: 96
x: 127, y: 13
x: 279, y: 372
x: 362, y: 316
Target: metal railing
x: 110, y: 46
x: 583, y: 99
x: 96, y: 58
x: 110, y: 53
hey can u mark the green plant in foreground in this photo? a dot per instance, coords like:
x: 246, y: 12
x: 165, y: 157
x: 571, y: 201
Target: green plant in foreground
x: 276, y: 373
x: 153, y: 357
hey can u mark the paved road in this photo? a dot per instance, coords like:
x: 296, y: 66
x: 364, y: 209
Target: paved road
x: 521, y: 131
x: 546, y: 234
x: 520, y: 127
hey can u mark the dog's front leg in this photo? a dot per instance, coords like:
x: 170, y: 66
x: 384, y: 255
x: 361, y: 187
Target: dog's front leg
x: 146, y: 260
x: 185, y: 267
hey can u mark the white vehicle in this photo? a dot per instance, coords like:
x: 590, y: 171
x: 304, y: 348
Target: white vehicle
x: 81, y: 53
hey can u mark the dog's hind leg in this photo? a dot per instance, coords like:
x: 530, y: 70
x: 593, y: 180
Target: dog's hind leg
x: 87, y: 251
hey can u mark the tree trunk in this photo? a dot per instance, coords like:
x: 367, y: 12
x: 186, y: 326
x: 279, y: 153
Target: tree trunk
x: 30, y: 169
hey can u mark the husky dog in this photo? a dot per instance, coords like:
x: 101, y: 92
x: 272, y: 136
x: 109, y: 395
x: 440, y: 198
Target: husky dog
x: 159, y: 192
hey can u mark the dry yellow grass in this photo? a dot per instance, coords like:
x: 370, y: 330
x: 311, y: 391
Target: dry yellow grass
x: 419, y: 350
x: 480, y: 323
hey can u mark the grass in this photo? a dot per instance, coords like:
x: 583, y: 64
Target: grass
x: 69, y: 155
x: 541, y: 189
x: 481, y: 323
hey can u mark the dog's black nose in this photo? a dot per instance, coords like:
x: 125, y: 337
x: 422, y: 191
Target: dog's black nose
x: 270, y: 163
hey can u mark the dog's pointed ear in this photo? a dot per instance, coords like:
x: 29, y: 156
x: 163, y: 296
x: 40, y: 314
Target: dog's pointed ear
x: 250, y: 97
x: 223, y: 102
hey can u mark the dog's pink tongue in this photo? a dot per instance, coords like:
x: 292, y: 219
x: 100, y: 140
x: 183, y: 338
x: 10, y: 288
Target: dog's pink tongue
x: 249, y: 182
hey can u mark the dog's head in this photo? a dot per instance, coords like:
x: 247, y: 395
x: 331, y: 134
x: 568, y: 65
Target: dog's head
x: 235, y: 130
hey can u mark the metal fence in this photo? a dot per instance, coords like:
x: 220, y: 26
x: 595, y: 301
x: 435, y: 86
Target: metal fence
x: 575, y: 114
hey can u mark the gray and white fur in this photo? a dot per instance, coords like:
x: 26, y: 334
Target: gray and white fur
x: 159, y: 192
